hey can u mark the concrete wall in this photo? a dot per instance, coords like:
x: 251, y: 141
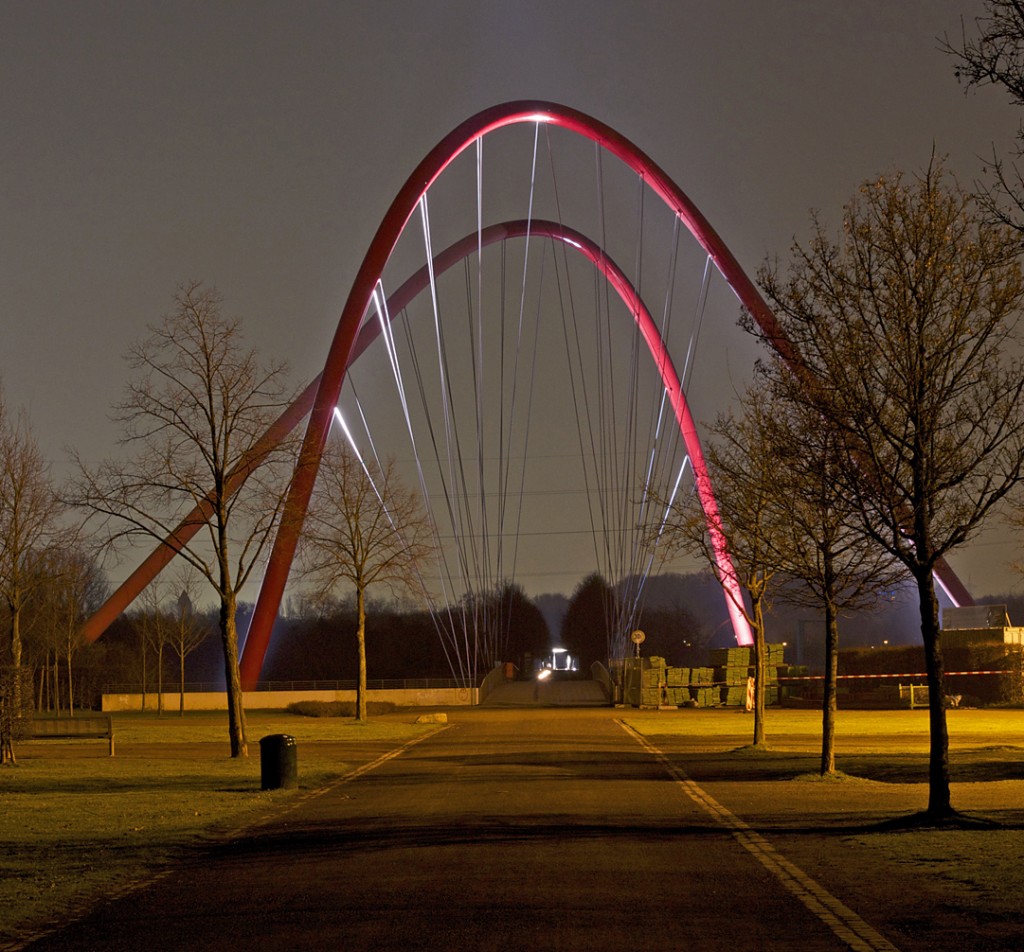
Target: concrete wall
x: 279, y: 700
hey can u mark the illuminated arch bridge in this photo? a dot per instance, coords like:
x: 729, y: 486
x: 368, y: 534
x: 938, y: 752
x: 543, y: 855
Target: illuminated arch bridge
x: 454, y: 339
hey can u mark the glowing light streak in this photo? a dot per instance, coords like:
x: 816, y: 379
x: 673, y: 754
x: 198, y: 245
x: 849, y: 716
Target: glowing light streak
x: 381, y: 498
x: 439, y: 340
x: 444, y: 573
x: 939, y: 577
x: 380, y: 302
x: 672, y: 497
x: 459, y: 517
x: 702, y: 300
x: 340, y: 420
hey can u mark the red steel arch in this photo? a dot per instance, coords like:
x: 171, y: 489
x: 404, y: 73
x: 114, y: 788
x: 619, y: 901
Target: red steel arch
x: 396, y: 302
x: 322, y: 394
x: 616, y: 277
x: 372, y: 267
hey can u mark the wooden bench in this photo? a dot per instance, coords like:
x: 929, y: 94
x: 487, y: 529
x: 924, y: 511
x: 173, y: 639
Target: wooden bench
x: 64, y: 728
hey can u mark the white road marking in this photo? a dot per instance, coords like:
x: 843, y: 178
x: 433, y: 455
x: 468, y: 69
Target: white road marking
x: 842, y: 920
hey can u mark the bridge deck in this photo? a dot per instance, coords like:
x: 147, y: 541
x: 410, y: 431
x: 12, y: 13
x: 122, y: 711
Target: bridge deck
x: 547, y: 694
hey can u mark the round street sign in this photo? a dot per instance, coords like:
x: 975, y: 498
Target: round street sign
x: 637, y: 637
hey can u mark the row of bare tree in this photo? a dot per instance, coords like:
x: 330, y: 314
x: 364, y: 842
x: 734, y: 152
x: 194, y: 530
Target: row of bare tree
x: 887, y: 426
x: 47, y: 581
x: 893, y: 431
x: 194, y: 416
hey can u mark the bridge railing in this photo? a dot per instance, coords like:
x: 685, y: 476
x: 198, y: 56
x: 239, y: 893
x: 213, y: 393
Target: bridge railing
x: 600, y: 674
x: 494, y: 677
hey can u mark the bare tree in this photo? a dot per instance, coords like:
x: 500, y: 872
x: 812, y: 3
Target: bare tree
x: 907, y: 327
x: 29, y: 521
x: 141, y: 618
x: 823, y: 545
x: 157, y: 630
x: 363, y: 528
x: 199, y: 401
x: 15, y: 709
x: 750, y: 515
x: 993, y: 55
x: 189, y: 630
x: 72, y: 587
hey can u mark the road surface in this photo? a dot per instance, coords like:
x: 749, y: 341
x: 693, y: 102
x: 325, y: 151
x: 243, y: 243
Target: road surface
x: 506, y: 830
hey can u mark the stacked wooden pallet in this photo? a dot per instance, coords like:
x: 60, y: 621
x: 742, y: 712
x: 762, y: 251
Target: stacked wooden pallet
x: 702, y: 687
x: 677, y: 686
x: 724, y: 682
x: 664, y: 685
x: 653, y: 679
x: 733, y: 666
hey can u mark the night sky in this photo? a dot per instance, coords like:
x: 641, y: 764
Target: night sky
x: 255, y: 146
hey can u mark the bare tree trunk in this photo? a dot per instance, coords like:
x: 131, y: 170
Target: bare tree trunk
x: 16, y: 654
x: 828, y: 704
x: 361, y: 638
x: 7, y: 715
x: 236, y: 712
x: 15, y: 636
x: 939, y: 805
x: 759, y: 670
x: 71, y: 689
x: 160, y: 679
x: 143, y: 675
x: 181, y: 685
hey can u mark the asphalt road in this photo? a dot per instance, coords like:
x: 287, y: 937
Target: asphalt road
x: 507, y: 830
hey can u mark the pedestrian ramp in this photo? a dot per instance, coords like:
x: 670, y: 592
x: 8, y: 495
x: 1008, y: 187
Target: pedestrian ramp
x: 555, y: 693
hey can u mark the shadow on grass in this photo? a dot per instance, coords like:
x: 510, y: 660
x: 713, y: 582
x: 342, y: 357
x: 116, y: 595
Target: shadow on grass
x: 955, y: 820
x: 756, y: 764
x: 311, y: 838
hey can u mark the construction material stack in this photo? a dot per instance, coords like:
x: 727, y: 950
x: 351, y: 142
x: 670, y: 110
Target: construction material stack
x: 702, y: 687
x: 773, y: 664
x: 654, y: 679
x: 677, y: 686
x: 653, y: 683
x: 734, y: 666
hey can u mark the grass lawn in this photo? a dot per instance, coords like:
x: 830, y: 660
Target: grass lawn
x: 76, y: 823
x: 967, y: 726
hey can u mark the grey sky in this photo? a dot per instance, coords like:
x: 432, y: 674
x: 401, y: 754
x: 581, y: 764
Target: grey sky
x: 256, y: 146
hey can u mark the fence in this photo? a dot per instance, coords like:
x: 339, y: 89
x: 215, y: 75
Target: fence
x: 379, y: 684
x: 278, y: 695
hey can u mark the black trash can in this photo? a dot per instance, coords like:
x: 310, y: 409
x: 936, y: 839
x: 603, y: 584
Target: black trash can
x: 279, y: 762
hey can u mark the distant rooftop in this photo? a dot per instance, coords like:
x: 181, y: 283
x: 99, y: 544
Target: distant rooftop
x: 975, y: 616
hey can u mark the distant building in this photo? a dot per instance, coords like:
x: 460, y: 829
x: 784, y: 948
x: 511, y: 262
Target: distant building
x: 978, y: 625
